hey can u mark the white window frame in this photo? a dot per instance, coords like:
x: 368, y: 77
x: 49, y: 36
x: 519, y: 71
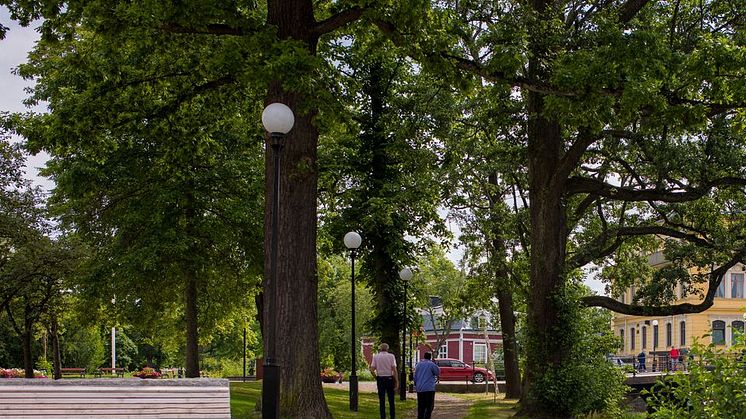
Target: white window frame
x: 733, y: 289
x: 483, y: 348
x: 443, y: 351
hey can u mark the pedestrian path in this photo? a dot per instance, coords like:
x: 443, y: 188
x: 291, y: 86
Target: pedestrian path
x: 448, y: 407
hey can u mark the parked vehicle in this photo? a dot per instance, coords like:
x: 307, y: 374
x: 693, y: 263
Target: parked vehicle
x: 455, y: 370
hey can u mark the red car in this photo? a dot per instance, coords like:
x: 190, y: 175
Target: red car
x: 455, y: 370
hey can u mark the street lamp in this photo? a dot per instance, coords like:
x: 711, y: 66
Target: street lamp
x: 352, y: 241
x: 278, y: 120
x: 655, y: 341
x: 405, y: 274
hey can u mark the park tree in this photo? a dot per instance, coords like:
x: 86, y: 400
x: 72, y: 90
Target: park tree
x: 146, y: 77
x: 33, y: 266
x: 631, y: 108
x: 162, y: 186
x: 487, y: 197
x: 380, y: 166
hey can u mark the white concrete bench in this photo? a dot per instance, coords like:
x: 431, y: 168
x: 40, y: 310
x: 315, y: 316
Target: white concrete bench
x: 115, y: 398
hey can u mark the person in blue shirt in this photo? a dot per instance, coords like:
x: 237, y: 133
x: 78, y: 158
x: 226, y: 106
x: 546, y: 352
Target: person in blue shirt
x: 426, y: 373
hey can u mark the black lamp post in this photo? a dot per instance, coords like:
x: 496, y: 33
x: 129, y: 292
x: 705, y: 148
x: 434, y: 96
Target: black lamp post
x: 405, y: 274
x: 278, y: 120
x: 352, y: 241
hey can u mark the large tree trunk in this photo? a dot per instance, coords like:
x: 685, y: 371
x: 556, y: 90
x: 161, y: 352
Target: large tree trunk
x: 192, y: 336
x: 294, y: 317
x: 27, y: 338
x: 191, y: 310
x: 56, y: 359
x: 548, y: 235
x: 510, y: 344
x: 504, y: 294
x: 548, y: 241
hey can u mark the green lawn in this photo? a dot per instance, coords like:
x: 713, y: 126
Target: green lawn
x: 245, y: 395
x: 486, y: 406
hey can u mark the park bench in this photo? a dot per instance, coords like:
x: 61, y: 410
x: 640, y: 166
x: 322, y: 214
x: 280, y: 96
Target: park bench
x: 114, y: 398
x: 73, y: 371
x: 119, y: 372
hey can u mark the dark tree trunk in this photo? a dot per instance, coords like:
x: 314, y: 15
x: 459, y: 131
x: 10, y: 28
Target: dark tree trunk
x: 56, y: 360
x: 548, y: 241
x: 548, y: 235
x: 192, y: 336
x: 27, y: 338
x: 382, y: 238
x: 510, y: 345
x: 294, y: 318
x: 504, y: 294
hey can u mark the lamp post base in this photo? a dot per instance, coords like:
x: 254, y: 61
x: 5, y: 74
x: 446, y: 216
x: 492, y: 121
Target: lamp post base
x: 353, y: 393
x: 271, y: 391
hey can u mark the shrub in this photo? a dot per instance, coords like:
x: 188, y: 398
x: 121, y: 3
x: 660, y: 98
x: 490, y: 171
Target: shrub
x: 715, y: 386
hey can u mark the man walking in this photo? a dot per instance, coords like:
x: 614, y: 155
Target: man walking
x: 425, y: 375
x: 384, y: 368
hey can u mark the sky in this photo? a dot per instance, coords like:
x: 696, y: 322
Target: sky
x: 14, y: 49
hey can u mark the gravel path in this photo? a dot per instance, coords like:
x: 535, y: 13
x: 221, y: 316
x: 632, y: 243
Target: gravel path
x: 446, y: 406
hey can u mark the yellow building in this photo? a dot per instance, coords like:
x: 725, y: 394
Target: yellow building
x: 721, y: 321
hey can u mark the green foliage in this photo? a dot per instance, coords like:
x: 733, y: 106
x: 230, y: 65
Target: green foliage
x: 82, y: 347
x: 714, y: 387
x: 585, y: 382
x: 334, y: 314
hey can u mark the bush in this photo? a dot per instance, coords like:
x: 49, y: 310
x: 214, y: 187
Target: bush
x: 224, y: 367
x: 362, y: 375
x: 715, y: 386
x: 585, y: 382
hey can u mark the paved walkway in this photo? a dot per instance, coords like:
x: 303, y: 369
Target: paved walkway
x: 446, y: 406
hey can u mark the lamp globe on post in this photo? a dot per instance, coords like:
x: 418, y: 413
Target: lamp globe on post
x: 353, y: 241
x: 655, y: 342
x: 405, y: 275
x: 278, y: 120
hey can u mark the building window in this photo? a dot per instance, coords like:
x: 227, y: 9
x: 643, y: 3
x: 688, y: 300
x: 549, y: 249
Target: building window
x: 644, y: 337
x: 632, y: 338
x: 718, y: 332
x: 682, y: 334
x: 443, y: 351
x: 621, y: 335
x: 721, y: 289
x: 669, y: 335
x: 736, y: 330
x: 480, y: 352
x: 655, y: 336
x: 736, y: 285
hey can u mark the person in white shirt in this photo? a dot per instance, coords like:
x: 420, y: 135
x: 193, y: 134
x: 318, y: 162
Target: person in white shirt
x: 387, y: 379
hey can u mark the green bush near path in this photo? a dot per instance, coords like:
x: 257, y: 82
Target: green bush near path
x: 244, y: 397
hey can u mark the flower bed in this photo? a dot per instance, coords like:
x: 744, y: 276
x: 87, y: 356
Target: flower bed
x: 18, y: 373
x: 328, y: 375
x: 147, y: 372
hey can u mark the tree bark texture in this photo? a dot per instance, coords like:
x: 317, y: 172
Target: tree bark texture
x: 382, y: 238
x: 28, y: 359
x: 510, y: 344
x: 548, y: 237
x: 56, y: 359
x: 504, y: 294
x: 294, y: 318
x: 192, y: 333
